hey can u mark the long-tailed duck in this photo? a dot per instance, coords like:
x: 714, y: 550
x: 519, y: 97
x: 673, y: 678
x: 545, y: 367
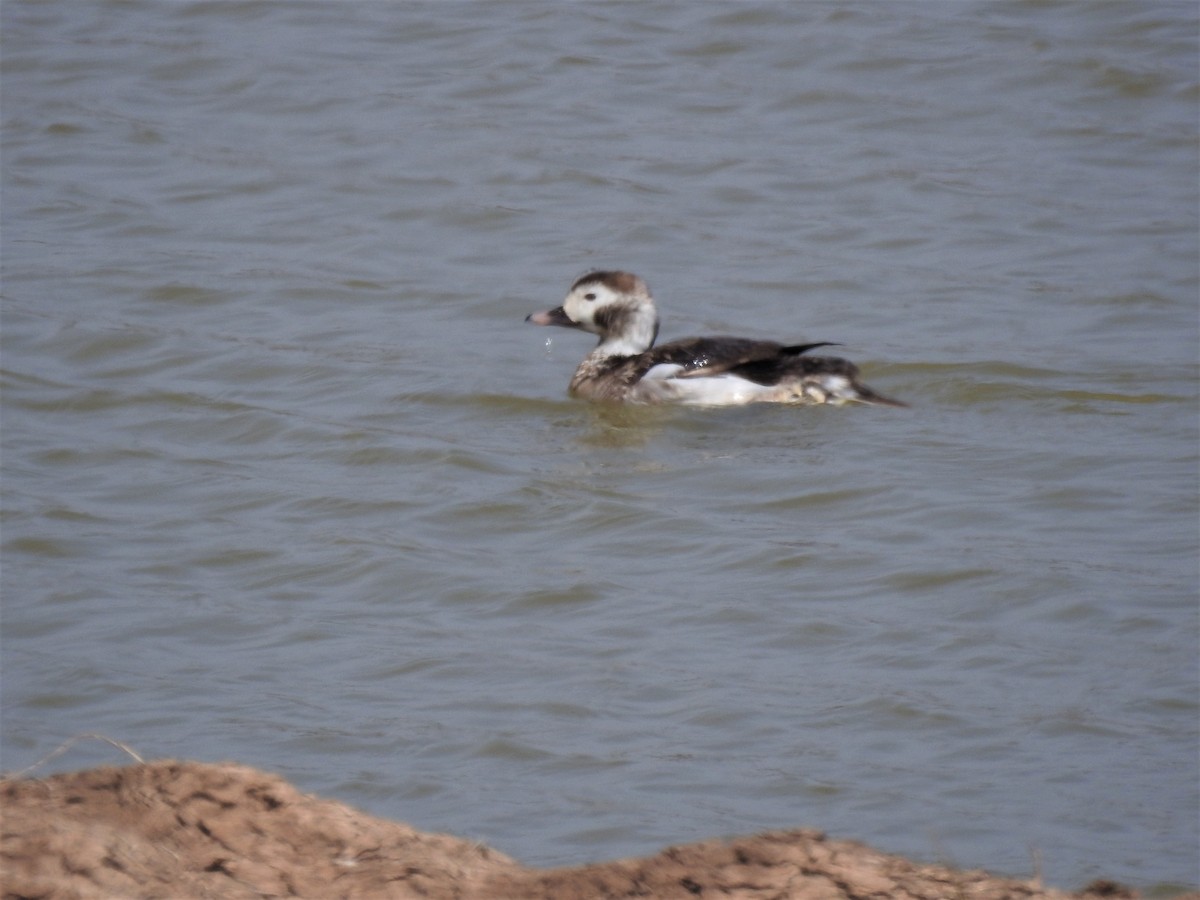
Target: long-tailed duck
x: 708, y: 371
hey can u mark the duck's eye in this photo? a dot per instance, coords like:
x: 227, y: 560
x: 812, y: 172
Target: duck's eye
x: 589, y: 296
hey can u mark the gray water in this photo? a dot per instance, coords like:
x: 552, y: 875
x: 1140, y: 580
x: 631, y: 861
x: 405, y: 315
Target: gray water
x: 288, y: 481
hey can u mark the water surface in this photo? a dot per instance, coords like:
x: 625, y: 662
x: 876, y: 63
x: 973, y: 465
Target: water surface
x: 288, y: 481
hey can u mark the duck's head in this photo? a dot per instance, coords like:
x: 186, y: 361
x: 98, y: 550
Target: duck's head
x: 615, y: 305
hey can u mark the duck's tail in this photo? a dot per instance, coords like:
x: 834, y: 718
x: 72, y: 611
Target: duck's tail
x: 839, y: 388
x: 863, y: 394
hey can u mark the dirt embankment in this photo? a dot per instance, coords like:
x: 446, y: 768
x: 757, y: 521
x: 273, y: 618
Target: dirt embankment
x: 172, y: 829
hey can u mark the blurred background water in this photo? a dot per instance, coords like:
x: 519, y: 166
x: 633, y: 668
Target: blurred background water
x: 288, y: 481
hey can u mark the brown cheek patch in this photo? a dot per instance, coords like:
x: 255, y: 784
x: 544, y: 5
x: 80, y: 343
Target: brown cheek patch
x: 612, y: 319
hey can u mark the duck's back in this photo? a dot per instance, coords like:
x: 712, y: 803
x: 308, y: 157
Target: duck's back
x: 719, y: 371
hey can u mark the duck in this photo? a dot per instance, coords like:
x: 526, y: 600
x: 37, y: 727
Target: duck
x: 627, y: 367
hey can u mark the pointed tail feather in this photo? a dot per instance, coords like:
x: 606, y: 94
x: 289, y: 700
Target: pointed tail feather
x: 843, y: 386
x: 866, y: 395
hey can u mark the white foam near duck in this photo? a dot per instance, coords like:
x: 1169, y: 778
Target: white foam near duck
x: 707, y: 371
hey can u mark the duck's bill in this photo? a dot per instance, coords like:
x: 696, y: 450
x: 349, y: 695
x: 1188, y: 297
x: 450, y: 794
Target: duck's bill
x: 556, y: 316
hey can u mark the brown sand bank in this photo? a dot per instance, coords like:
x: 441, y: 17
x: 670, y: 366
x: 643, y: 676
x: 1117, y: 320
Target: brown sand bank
x: 172, y: 829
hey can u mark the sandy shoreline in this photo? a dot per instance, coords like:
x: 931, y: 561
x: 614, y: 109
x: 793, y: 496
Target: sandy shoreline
x: 170, y: 829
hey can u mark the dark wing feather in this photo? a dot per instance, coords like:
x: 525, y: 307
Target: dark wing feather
x: 703, y: 356
x: 781, y: 368
x: 715, y: 355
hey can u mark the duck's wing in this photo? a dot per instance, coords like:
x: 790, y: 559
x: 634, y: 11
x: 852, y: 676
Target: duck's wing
x: 707, y: 356
x: 781, y: 368
x: 831, y: 378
